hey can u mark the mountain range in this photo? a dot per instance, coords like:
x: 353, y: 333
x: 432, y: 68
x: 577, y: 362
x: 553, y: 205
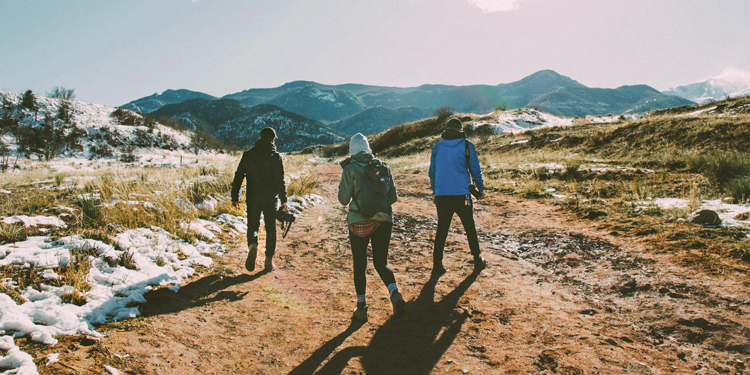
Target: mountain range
x: 353, y: 108
x: 730, y: 84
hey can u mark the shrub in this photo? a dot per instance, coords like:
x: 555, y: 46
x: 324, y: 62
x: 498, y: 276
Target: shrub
x: 303, y: 185
x: 723, y: 168
x: 128, y: 155
x: 738, y: 189
x: 60, y: 92
x: 101, y: 151
x: 443, y: 112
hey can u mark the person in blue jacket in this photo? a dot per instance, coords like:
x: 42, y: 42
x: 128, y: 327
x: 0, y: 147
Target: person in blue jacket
x: 449, y: 180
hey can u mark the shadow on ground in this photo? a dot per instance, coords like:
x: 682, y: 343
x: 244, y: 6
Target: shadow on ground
x: 410, y: 345
x: 195, y: 294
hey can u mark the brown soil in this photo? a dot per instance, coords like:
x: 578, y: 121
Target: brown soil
x: 559, y: 295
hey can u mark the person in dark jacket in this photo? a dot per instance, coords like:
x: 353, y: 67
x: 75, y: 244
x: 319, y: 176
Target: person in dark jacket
x: 450, y: 180
x: 264, y: 171
x: 363, y: 230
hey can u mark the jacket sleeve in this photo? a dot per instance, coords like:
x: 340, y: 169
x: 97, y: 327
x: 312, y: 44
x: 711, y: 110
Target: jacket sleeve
x: 392, y: 193
x: 239, y: 175
x: 346, y: 186
x: 431, y: 171
x: 475, y: 168
x: 281, y: 185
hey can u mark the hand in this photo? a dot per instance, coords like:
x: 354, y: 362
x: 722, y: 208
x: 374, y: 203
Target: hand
x: 483, y: 195
x: 433, y: 198
x: 235, y: 204
x: 285, y: 207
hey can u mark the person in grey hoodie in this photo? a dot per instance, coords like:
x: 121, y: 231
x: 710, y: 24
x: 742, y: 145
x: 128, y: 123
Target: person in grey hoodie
x: 449, y: 180
x: 363, y: 230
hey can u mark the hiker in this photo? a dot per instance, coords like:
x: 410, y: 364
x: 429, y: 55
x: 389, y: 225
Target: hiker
x: 366, y: 226
x: 453, y: 164
x: 264, y: 170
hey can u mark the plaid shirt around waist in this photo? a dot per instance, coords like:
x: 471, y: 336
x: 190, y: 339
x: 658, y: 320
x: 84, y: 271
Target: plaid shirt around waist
x: 364, y: 228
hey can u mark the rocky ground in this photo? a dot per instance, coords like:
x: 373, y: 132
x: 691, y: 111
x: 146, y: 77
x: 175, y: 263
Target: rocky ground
x: 560, y: 295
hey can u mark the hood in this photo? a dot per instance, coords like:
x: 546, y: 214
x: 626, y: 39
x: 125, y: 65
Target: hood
x: 453, y: 137
x: 265, y: 146
x: 362, y: 157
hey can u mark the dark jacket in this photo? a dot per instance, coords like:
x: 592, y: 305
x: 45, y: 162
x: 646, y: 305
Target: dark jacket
x: 449, y: 174
x: 350, y: 186
x: 264, y: 170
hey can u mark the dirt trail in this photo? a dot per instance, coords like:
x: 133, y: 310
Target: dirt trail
x: 559, y: 296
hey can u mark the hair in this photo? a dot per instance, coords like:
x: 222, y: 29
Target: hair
x: 268, y: 133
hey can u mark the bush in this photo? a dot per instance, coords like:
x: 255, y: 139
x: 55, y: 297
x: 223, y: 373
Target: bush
x: 739, y: 190
x: 443, y: 112
x: 303, y: 185
x: 101, y: 151
x: 128, y: 155
x: 723, y: 168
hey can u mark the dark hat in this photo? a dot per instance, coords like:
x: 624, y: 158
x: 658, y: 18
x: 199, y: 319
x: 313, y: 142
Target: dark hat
x: 454, y: 123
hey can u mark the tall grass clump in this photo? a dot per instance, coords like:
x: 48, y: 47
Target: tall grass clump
x: 725, y: 171
x: 739, y: 190
x: 303, y: 185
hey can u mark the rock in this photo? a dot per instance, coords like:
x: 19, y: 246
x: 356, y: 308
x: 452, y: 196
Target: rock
x: 705, y: 217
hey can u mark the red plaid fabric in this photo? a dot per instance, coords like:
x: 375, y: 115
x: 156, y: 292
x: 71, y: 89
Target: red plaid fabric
x: 364, y: 228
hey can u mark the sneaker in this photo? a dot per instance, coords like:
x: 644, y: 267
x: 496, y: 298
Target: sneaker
x: 479, y: 264
x: 251, y: 255
x: 360, y: 314
x: 438, y: 271
x: 269, y: 264
x: 399, y: 305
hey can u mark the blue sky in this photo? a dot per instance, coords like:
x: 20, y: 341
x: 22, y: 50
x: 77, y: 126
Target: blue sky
x: 115, y: 51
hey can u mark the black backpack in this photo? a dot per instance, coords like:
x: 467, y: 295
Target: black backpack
x: 375, y: 185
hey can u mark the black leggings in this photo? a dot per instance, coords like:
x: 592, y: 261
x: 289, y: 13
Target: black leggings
x: 447, y: 205
x: 381, y: 238
x: 269, y: 220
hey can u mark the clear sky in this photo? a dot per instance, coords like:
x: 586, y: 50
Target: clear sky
x: 115, y: 51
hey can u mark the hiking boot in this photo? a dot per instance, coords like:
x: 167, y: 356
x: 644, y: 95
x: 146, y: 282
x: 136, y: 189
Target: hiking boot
x: 360, y: 314
x: 251, y: 255
x: 479, y: 264
x: 399, y: 305
x: 269, y: 264
x: 438, y: 270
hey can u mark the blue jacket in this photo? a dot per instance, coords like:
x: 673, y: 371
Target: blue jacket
x: 448, y: 172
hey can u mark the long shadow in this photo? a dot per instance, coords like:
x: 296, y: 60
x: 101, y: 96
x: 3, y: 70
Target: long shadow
x: 313, y: 362
x: 411, y: 345
x: 194, y: 294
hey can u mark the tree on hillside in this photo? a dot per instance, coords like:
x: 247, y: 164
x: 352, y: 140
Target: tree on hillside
x: 444, y: 112
x: 7, y: 121
x: 202, y: 140
x: 63, y: 113
x: 62, y: 93
x: 29, y: 101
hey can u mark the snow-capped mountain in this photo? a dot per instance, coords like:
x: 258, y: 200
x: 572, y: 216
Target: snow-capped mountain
x: 730, y: 84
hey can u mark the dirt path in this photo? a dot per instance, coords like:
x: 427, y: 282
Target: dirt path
x: 559, y: 296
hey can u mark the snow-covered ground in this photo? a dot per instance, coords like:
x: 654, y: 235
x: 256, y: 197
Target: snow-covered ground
x: 121, y: 271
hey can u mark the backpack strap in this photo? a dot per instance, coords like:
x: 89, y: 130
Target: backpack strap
x: 466, y: 144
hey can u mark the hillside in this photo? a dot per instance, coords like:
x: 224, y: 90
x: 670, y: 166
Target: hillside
x: 376, y: 119
x: 152, y: 103
x: 239, y: 124
x: 55, y: 127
